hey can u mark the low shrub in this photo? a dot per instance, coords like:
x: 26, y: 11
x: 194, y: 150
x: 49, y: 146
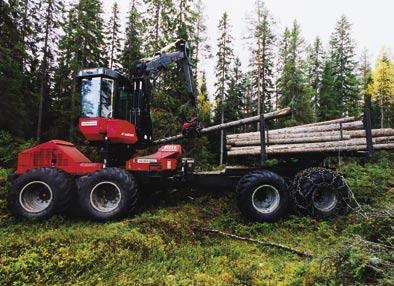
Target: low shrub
x: 370, y: 180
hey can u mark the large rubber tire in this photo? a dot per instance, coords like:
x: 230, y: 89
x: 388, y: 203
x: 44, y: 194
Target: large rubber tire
x: 321, y: 193
x: 262, y: 196
x: 108, y: 194
x: 40, y: 193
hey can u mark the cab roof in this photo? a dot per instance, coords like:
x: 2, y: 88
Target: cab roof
x: 99, y: 72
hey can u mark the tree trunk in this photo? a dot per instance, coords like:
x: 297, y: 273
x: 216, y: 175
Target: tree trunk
x: 279, y: 140
x: 340, y: 120
x: 381, y: 113
x: 361, y: 147
x: 307, y: 136
x: 343, y: 145
x: 44, y: 71
x: 301, y: 129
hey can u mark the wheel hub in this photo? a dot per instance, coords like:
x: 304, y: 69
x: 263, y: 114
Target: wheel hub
x: 35, y: 196
x: 324, y: 198
x: 265, y: 199
x: 105, y: 196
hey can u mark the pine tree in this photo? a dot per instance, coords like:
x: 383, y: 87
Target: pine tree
x: 50, y: 11
x: 263, y: 57
x: 132, y: 50
x: 314, y: 71
x: 112, y: 39
x: 342, y: 56
x: 223, y: 73
x: 382, y: 89
x: 292, y: 86
x: 80, y: 47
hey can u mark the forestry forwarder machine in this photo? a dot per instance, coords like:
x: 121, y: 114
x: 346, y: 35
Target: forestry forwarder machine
x: 115, y: 116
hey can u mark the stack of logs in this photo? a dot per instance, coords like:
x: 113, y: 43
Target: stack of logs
x: 339, y: 135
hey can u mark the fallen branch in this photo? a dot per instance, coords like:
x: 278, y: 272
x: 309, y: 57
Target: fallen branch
x: 261, y: 242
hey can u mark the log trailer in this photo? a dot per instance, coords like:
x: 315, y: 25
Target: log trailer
x: 115, y: 116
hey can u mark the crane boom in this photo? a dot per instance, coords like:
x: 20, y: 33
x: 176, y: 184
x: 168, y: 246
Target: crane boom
x: 164, y: 58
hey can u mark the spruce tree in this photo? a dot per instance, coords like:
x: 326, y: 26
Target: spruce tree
x: 249, y: 98
x: 342, y: 57
x: 233, y: 102
x: 204, y: 105
x: 263, y: 57
x: 19, y: 60
x: 177, y: 21
x: 365, y: 77
x: 80, y: 47
x: 132, y: 50
x: 29, y: 25
x: 50, y: 11
x: 292, y: 86
x: 12, y: 115
x: 113, y: 39
x: 159, y: 22
x: 224, y: 57
x: 328, y: 105
x: 249, y: 102
x: 314, y: 71
x: 185, y: 21
x: 202, y: 49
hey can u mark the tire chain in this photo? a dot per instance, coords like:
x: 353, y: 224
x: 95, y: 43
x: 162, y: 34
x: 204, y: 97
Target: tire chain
x: 303, y: 201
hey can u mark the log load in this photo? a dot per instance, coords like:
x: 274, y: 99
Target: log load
x: 338, y: 135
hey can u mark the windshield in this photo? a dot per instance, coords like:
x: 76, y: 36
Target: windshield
x: 96, y: 97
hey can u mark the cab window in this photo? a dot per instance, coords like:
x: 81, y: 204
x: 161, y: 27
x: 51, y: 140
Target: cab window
x: 96, y: 97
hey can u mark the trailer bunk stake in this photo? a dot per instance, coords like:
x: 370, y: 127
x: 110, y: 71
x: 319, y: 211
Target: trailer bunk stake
x: 368, y: 131
x: 263, y: 127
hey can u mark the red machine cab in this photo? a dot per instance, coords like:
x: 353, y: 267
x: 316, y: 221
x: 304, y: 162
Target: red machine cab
x: 106, y: 107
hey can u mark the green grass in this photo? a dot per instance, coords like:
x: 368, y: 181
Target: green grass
x: 159, y: 247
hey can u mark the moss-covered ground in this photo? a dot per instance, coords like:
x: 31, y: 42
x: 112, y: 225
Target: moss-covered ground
x: 159, y: 247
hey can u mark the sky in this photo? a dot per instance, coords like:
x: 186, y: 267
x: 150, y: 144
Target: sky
x: 372, y: 23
